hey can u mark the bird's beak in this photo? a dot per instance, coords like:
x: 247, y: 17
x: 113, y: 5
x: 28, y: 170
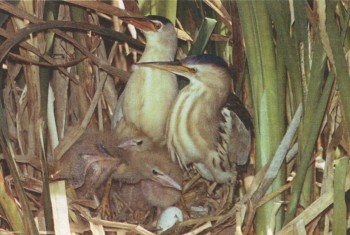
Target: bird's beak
x: 141, y: 23
x: 166, y: 181
x: 126, y: 144
x: 170, y: 66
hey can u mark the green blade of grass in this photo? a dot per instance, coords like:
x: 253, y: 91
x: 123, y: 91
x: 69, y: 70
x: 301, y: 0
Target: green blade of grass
x: 203, y: 36
x: 267, y: 94
x: 339, y: 215
x: 159, y: 7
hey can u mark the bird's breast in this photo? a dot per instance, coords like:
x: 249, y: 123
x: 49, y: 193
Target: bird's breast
x: 196, y: 133
x: 149, y: 95
x: 187, y: 126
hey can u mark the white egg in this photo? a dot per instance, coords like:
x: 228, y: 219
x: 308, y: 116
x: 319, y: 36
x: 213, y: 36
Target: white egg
x: 169, y: 217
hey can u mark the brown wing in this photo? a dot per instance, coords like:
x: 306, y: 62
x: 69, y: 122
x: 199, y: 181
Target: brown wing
x: 241, y: 132
x: 235, y: 105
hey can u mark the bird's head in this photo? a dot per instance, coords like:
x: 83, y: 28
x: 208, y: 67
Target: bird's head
x: 151, y: 23
x: 93, y: 153
x: 208, y: 70
x: 152, y: 164
x: 139, y: 144
x: 131, y: 138
x: 154, y: 27
x: 162, y: 170
x: 157, y: 175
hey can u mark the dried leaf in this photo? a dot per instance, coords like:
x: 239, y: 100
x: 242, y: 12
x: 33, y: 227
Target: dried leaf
x: 59, y: 207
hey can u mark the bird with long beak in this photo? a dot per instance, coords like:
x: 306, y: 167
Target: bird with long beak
x: 146, y: 171
x: 146, y: 178
x: 162, y: 186
x: 150, y: 92
x: 145, y: 164
x: 204, y: 128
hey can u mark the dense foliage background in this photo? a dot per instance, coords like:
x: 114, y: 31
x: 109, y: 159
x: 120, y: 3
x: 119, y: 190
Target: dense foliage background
x: 65, y: 62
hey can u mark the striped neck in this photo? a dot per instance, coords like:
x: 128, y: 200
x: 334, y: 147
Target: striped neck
x: 193, y: 126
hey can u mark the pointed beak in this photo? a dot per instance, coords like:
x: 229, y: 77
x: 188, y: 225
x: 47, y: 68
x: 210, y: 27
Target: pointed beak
x: 170, y: 66
x: 127, y: 144
x: 166, y: 181
x: 141, y: 23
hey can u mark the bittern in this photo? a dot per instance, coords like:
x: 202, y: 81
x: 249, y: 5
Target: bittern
x: 149, y: 92
x: 145, y: 164
x: 148, y: 192
x: 129, y: 135
x: 89, y: 162
x: 203, y: 127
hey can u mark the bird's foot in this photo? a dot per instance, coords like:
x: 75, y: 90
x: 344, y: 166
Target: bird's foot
x: 231, y: 193
x: 104, y: 208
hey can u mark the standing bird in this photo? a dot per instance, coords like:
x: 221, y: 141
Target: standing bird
x: 149, y: 92
x: 204, y: 128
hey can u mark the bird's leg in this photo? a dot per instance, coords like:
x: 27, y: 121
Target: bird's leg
x: 104, y: 207
x: 230, y: 199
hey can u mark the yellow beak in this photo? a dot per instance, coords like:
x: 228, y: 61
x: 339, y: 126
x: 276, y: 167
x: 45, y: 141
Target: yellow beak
x: 140, y: 22
x: 170, y: 66
x: 166, y: 181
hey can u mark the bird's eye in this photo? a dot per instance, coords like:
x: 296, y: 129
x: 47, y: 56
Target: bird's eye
x: 155, y: 172
x: 193, y: 70
x: 157, y: 25
x: 139, y: 142
x: 102, y: 149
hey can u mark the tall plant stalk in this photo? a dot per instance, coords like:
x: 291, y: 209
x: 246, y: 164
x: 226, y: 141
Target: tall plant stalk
x: 267, y: 92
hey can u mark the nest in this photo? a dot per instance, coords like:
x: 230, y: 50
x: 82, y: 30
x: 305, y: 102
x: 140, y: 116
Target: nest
x: 82, y: 94
x: 205, y: 206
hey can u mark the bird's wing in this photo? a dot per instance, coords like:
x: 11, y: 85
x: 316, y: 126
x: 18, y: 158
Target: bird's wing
x: 235, y: 105
x: 240, y: 141
x: 239, y: 130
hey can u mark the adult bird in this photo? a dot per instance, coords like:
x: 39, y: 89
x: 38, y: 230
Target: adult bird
x: 149, y: 92
x: 208, y: 125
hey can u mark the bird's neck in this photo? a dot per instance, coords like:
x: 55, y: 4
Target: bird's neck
x: 158, y: 50
x: 195, y: 118
x: 205, y: 98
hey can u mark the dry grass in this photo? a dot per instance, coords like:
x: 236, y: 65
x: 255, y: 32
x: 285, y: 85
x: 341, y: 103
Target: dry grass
x: 53, y: 91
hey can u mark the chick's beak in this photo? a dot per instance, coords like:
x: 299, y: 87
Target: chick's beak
x: 127, y: 144
x: 141, y: 23
x: 170, y: 66
x: 166, y: 181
